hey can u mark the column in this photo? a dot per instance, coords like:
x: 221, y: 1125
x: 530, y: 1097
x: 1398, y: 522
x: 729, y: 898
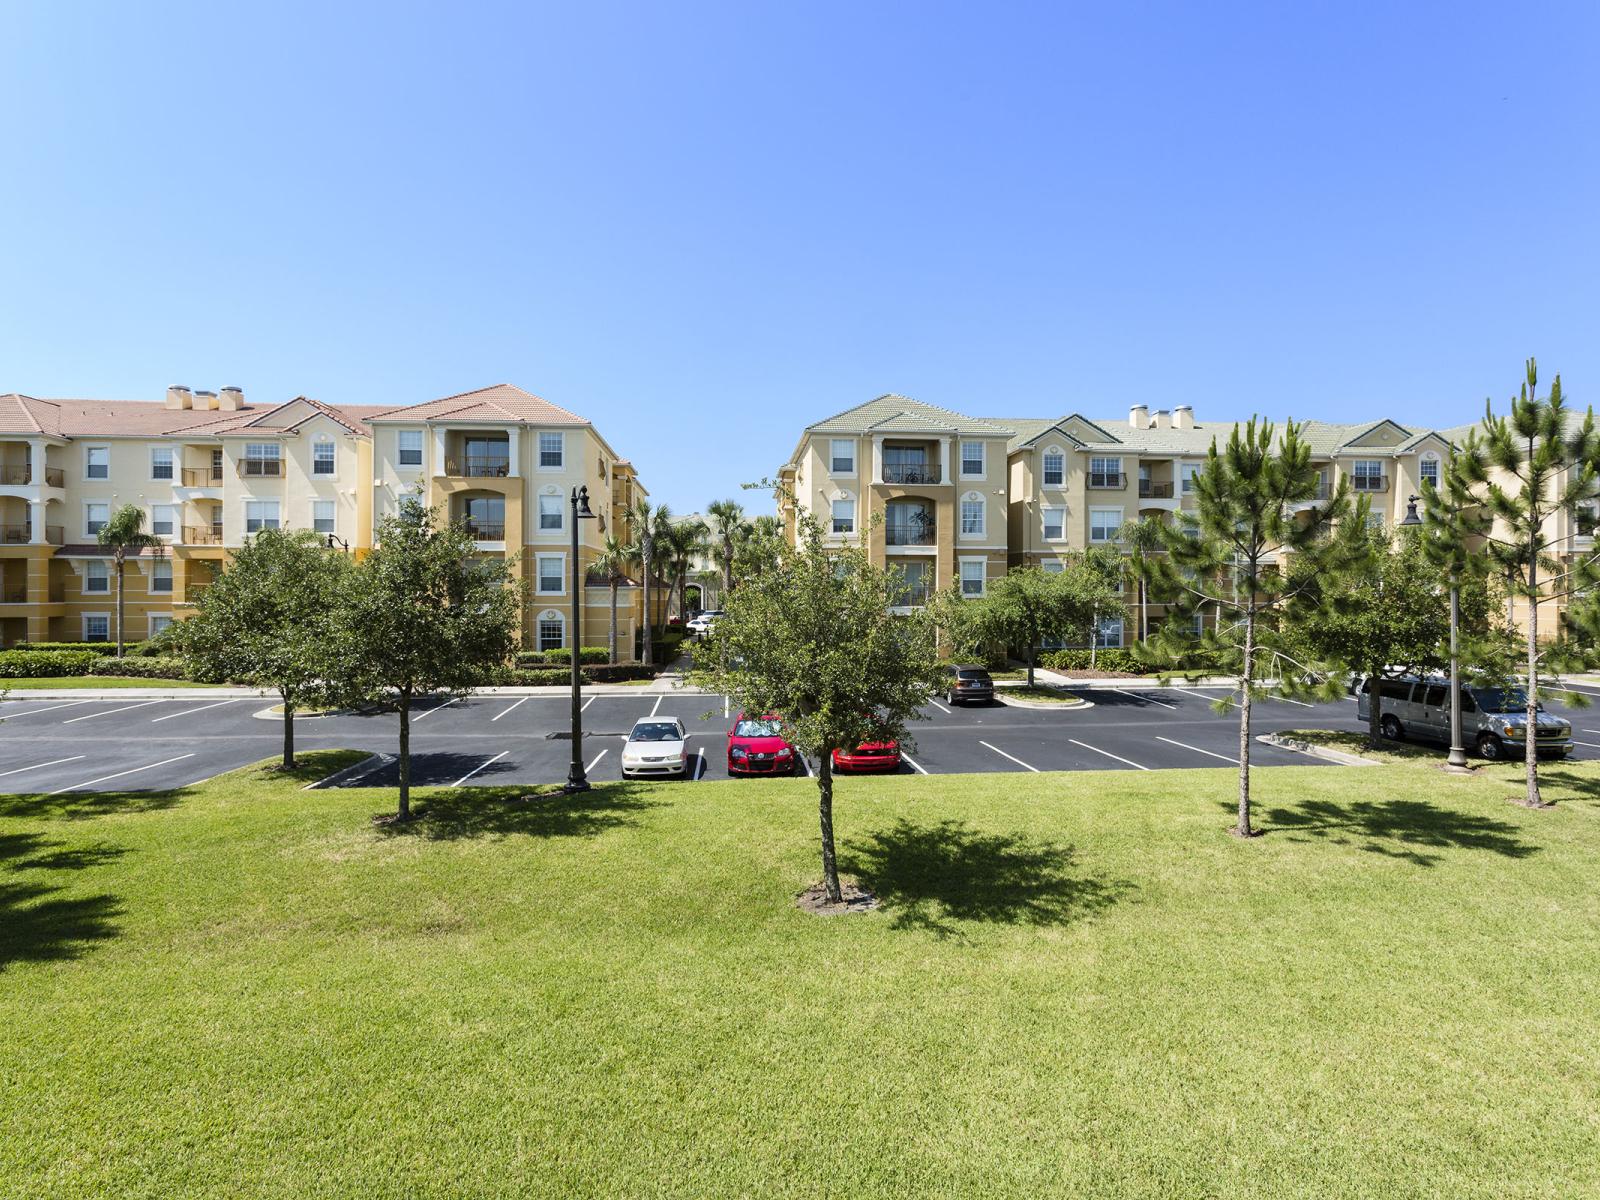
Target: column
x: 877, y: 460
x: 36, y: 462
x: 438, y: 450
x: 515, y: 436
x: 36, y: 509
x: 946, y: 467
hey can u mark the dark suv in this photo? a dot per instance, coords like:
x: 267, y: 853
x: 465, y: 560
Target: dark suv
x: 963, y: 684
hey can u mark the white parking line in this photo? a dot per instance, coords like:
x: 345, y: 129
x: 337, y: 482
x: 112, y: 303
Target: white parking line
x: 435, y: 708
x: 700, y: 766
x: 1572, y: 687
x: 1145, y: 699
x: 584, y: 707
x: 804, y: 765
x: 109, y: 712
x: 657, y: 707
x: 1012, y: 757
x: 187, y: 711
x: 1576, y: 742
x: 597, y: 758
x: 1196, y: 749
x: 1108, y: 754
x: 481, y: 766
x: 939, y: 706
x: 12, y: 716
x: 915, y: 765
x: 498, y: 715
x: 36, y: 766
x: 120, y: 774
x: 725, y: 702
x: 1286, y: 700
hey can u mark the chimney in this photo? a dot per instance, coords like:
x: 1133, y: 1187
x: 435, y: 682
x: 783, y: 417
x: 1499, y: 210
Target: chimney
x: 231, y: 399
x: 1138, y: 417
x: 206, y: 400
x: 179, y: 397
x: 1183, y: 417
x: 1163, y: 420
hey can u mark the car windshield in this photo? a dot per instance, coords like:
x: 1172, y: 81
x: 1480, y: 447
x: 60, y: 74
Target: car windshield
x: 1502, y: 700
x: 656, y: 731
x: 973, y: 674
x: 755, y: 729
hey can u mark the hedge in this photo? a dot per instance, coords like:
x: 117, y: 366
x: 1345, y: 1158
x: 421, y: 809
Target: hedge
x: 1119, y: 659
x: 142, y: 668
x: 46, y: 664
x: 148, y: 649
x: 590, y: 655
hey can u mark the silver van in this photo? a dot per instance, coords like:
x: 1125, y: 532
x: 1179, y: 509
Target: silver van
x: 1493, y: 720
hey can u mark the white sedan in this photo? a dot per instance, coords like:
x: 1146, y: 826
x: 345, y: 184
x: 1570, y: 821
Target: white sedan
x: 700, y: 624
x: 656, y: 747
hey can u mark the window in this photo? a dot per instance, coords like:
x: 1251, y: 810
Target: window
x: 1428, y: 470
x: 550, y: 573
x: 262, y: 458
x: 842, y: 456
x: 1054, y: 566
x: 95, y: 517
x: 552, y: 631
x: 96, y: 627
x: 972, y: 459
x: 552, y: 452
x: 216, y: 466
x: 550, y: 514
x: 158, y: 622
x: 1105, y: 472
x: 162, y: 519
x: 973, y: 574
x: 1366, y: 475
x: 161, y: 575
x: 96, y: 576
x: 1055, y: 524
x: 161, y: 462
x: 410, y: 448
x: 322, y: 516
x: 1374, y: 522
x: 1104, y: 523
x: 1199, y: 624
x: 844, y: 515
x: 259, y: 515
x: 322, y: 457
x: 1055, y: 468
x: 916, y: 580
x: 1188, y: 472
x: 485, y: 518
x: 1108, y: 634
x: 97, y: 462
x: 971, y: 517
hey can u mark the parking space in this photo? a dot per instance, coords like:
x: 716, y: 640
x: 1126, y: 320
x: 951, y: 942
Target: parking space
x: 141, y: 744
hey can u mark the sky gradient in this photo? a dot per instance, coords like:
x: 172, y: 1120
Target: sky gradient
x: 704, y: 226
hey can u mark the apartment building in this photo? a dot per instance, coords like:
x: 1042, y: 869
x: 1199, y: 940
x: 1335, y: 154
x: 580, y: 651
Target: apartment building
x: 210, y: 469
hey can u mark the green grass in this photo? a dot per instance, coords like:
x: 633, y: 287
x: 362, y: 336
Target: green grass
x: 1040, y: 694
x: 1356, y: 743
x: 1079, y: 984
x: 95, y: 681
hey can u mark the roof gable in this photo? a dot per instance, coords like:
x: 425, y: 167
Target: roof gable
x: 502, y: 403
x: 1385, y: 433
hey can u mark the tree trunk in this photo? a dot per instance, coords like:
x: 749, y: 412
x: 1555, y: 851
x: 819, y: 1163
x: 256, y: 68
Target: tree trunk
x: 727, y: 569
x: 1033, y: 657
x: 613, y: 618
x: 1374, y: 707
x: 1094, y: 640
x: 648, y: 658
x: 288, y: 734
x: 1246, y: 677
x: 119, y: 603
x: 405, y: 757
x: 1144, y: 613
x: 1530, y: 747
x: 830, y: 868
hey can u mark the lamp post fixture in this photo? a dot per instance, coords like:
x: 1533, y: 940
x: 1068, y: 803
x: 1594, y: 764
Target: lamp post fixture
x: 1457, y: 761
x: 335, y: 542
x: 577, y: 781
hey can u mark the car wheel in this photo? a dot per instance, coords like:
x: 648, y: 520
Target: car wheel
x: 950, y: 698
x: 1391, y: 728
x: 1490, y: 747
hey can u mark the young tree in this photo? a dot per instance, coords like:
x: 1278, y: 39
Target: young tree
x: 1256, y: 503
x: 1091, y: 586
x: 1521, y: 473
x: 728, y: 528
x: 123, y: 533
x: 425, y: 615
x: 1142, y: 539
x: 816, y: 644
x: 616, y: 559
x: 274, y: 617
x: 648, y: 521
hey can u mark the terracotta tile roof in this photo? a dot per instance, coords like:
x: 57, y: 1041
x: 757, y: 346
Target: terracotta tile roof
x: 502, y: 402
x: 148, y: 418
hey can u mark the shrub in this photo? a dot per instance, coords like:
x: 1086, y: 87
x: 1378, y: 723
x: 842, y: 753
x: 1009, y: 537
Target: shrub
x: 560, y: 655
x: 594, y: 656
x: 75, y: 647
x: 618, y: 672
x: 46, y: 664
x: 548, y: 677
x: 166, y: 667
x: 1077, y: 659
x: 530, y: 658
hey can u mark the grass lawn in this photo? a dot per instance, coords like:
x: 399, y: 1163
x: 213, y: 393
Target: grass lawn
x: 1387, y: 751
x: 1079, y: 984
x: 1039, y: 694
x: 95, y: 681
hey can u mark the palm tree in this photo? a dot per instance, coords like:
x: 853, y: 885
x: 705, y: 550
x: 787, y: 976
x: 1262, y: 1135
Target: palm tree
x: 679, y: 543
x: 122, y: 533
x: 1142, y: 538
x: 647, y: 522
x: 729, y: 528
x: 616, y: 557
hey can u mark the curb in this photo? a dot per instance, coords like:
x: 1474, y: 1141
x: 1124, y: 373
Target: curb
x: 1045, y: 705
x: 1343, y: 758
x: 357, y: 771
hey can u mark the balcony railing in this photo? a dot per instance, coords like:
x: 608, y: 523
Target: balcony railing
x: 1369, y: 483
x: 912, y: 595
x: 485, y: 531
x: 1100, y: 479
x: 11, y: 594
x: 909, y: 535
x: 478, y: 466
x: 53, y: 476
x: 261, y: 468
x: 910, y: 473
x: 1150, y: 489
x: 21, y: 535
x: 202, y: 477
x: 202, y: 535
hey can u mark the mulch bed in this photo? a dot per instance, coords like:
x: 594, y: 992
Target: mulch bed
x: 856, y: 899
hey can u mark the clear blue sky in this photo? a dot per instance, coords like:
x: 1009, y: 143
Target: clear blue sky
x: 705, y: 225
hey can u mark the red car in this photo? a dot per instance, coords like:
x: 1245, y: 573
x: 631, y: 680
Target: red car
x: 869, y: 756
x: 756, y: 747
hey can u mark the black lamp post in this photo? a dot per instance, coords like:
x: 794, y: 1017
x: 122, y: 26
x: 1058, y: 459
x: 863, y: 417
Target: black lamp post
x: 1457, y: 761
x: 335, y: 542
x: 577, y: 781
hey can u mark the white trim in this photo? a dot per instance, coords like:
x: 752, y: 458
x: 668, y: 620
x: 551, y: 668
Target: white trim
x: 961, y: 458
x: 538, y: 573
x: 1044, y: 524
x: 538, y: 451
x: 173, y: 475
x: 83, y: 625
x: 983, y: 515
x: 87, y: 451
x: 1105, y: 541
x: 1047, y: 452
x: 548, y: 616
x: 983, y: 583
x: 550, y: 492
x: 324, y: 439
x: 87, y: 505
x: 855, y: 457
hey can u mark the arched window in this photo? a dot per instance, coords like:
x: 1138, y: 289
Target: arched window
x: 1428, y: 469
x: 552, y: 631
x: 1054, y: 474
x: 972, y: 515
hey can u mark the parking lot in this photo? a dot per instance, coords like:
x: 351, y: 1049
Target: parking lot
x: 140, y: 744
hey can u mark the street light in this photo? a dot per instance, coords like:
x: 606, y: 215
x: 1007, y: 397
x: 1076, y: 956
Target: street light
x: 1457, y: 761
x: 577, y: 781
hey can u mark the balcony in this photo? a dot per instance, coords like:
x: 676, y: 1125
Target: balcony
x: 203, y: 535
x: 21, y: 535
x: 1112, y: 480
x: 17, y: 476
x: 921, y: 534
x: 11, y: 593
x: 910, y: 473
x: 485, y: 531
x: 1150, y: 489
x: 478, y: 466
x: 202, y: 477
x: 260, y: 468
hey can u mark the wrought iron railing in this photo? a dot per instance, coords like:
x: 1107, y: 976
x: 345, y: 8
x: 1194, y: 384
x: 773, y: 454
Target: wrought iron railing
x: 909, y: 535
x: 478, y: 466
x: 910, y: 473
x: 1151, y: 489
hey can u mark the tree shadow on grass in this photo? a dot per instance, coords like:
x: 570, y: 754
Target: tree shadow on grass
x: 74, y: 806
x: 1405, y: 829
x: 37, y: 924
x: 936, y: 877
x: 506, y: 812
x: 1581, y: 787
